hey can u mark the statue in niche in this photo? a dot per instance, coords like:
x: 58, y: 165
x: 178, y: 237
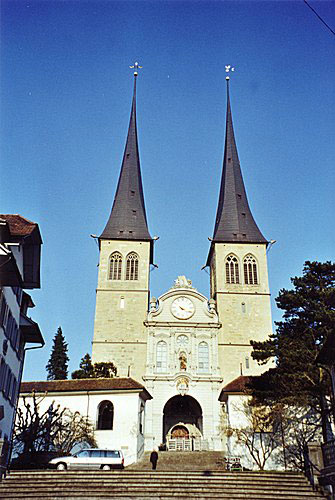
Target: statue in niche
x: 183, y: 361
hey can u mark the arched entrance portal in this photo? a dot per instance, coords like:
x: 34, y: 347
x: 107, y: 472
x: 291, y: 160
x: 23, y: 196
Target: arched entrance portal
x: 183, y: 409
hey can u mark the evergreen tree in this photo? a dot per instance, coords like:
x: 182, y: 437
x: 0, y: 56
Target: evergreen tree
x: 58, y: 362
x: 98, y: 370
x: 104, y: 370
x: 85, y: 368
x: 309, y: 316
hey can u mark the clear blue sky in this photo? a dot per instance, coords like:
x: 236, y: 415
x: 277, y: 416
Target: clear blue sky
x: 65, y: 102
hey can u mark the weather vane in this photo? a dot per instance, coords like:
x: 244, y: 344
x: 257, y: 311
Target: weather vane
x: 228, y: 70
x: 135, y: 67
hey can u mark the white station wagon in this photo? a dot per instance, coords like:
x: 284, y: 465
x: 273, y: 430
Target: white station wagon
x: 92, y: 458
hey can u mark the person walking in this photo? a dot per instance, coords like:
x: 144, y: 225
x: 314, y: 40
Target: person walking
x: 154, y: 458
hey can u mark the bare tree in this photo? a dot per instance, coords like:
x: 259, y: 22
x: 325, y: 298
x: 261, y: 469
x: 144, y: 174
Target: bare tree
x: 257, y: 432
x: 53, y: 429
x: 300, y: 426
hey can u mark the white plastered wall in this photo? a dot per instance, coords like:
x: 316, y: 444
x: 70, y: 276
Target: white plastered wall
x: 125, y: 433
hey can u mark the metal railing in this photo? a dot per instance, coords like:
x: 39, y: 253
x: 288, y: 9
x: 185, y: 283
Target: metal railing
x: 186, y: 444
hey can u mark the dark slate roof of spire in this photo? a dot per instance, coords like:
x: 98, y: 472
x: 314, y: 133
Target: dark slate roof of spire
x: 128, y: 220
x: 234, y: 221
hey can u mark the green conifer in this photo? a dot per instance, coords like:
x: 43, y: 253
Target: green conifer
x: 57, y: 366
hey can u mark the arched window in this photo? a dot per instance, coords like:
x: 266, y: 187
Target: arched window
x: 161, y: 357
x: 232, y: 273
x: 115, y: 266
x: 250, y: 270
x: 105, y: 415
x: 132, y: 266
x: 203, y: 357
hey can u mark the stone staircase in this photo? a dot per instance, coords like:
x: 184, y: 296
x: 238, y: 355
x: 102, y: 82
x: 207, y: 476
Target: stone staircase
x: 143, y: 485
x: 185, y: 475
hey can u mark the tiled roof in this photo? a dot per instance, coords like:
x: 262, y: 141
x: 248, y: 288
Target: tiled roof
x: 18, y: 225
x: 88, y: 384
x: 128, y: 220
x: 15, y: 229
x: 239, y: 384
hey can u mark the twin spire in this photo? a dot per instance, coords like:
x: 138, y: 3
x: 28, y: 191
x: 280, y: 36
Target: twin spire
x: 128, y: 220
x: 234, y: 221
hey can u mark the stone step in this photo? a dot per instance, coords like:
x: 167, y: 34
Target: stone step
x: 144, y: 495
x: 211, y: 480
x: 160, y: 481
x: 155, y: 490
x: 179, y: 460
x: 115, y: 474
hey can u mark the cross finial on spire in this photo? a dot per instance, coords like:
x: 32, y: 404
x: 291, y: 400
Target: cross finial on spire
x: 229, y: 68
x: 135, y: 67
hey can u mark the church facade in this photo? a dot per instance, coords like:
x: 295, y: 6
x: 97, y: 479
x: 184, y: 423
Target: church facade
x: 183, y: 347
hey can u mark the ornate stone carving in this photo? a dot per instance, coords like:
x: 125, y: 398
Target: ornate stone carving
x: 182, y: 386
x: 153, y: 304
x: 211, y: 306
x: 183, y: 282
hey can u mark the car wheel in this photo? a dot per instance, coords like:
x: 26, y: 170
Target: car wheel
x: 61, y: 466
x: 106, y: 467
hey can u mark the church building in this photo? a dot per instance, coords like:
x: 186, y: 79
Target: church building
x: 182, y: 346
x: 182, y: 359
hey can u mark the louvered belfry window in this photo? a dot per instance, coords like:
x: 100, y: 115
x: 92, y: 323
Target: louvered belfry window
x: 132, y: 267
x: 250, y: 270
x: 115, y: 266
x: 232, y: 272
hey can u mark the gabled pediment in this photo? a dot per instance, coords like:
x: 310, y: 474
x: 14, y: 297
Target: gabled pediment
x: 182, y: 304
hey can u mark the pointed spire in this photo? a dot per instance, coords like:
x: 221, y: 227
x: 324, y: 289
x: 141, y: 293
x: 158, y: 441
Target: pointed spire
x: 234, y: 221
x: 128, y: 219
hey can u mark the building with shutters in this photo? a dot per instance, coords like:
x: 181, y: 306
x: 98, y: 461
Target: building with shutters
x: 20, y: 250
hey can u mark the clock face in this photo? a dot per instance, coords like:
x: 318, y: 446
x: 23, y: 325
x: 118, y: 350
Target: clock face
x: 182, y: 308
x: 182, y: 341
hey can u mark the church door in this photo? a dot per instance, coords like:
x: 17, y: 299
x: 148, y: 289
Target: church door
x: 181, y: 409
x: 180, y: 432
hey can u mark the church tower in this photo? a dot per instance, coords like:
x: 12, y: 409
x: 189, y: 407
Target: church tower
x: 126, y: 252
x: 238, y: 269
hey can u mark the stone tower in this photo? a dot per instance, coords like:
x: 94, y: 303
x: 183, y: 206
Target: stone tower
x: 238, y: 269
x: 126, y: 252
